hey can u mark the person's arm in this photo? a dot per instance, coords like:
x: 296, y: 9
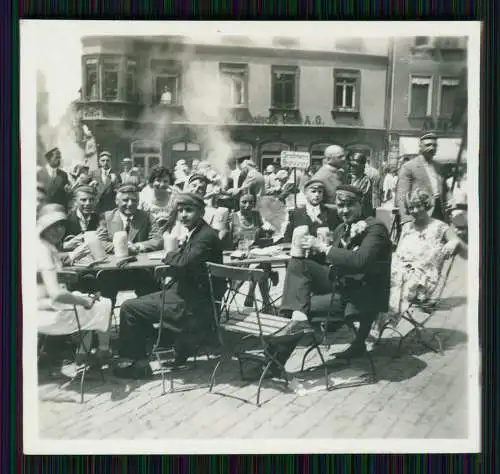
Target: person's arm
x: 374, y: 245
x: 405, y: 180
x: 455, y: 244
x: 103, y: 235
x: 221, y: 224
x: 193, y: 256
x: 154, y: 240
x: 57, y: 294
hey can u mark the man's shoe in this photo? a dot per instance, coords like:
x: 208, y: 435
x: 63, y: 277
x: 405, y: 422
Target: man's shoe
x: 353, y: 351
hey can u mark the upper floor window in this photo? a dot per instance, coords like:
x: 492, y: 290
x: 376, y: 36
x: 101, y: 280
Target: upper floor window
x: 131, y: 80
x: 284, y: 87
x: 109, y: 78
x: 234, y: 77
x: 420, y: 97
x: 110, y: 68
x: 422, y: 40
x: 447, y: 96
x: 347, y: 84
x: 91, y: 79
x: 166, y: 82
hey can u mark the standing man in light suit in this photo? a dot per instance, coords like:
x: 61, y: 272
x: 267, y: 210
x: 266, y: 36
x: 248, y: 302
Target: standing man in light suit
x: 422, y: 172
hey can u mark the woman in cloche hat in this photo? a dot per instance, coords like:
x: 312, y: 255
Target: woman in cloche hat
x: 55, y: 304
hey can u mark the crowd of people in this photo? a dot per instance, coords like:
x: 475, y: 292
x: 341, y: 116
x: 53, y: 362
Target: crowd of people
x: 193, y: 213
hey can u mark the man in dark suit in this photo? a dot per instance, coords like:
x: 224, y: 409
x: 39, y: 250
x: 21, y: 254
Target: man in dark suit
x: 314, y: 215
x: 106, y: 183
x: 54, y: 180
x: 357, y: 270
x: 82, y: 219
x: 422, y: 172
x: 187, y: 301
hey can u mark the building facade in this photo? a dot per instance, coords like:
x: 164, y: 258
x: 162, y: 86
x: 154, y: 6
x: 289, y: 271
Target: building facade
x: 425, y: 75
x: 158, y: 100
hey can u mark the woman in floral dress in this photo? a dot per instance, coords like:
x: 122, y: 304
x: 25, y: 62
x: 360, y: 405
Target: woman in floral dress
x: 417, y: 262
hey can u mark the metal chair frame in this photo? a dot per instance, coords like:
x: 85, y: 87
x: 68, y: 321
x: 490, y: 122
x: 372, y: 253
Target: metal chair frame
x: 254, y: 325
x: 324, y: 322
x: 158, y: 352
x: 429, y: 307
x: 69, y: 278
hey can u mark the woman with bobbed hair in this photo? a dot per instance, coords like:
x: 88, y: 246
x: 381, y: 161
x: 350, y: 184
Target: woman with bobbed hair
x: 159, y: 203
x: 416, y: 264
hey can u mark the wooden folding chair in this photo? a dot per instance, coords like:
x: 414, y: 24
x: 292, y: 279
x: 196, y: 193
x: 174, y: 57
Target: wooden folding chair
x: 71, y: 279
x: 163, y: 356
x: 428, y: 307
x: 244, y: 322
x: 325, y: 315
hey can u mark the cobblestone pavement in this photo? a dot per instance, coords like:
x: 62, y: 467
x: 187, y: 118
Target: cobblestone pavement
x: 419, y: 394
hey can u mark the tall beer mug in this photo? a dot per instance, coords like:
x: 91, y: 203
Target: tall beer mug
x: 94, y: 245
x: 296, y: 249
x: 120, y: 244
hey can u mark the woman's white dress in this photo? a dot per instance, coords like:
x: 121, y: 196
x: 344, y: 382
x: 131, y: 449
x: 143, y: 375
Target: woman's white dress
x: 59, y: 318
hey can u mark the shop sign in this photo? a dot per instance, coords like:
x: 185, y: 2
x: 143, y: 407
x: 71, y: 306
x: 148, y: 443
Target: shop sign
x: 295, y: 159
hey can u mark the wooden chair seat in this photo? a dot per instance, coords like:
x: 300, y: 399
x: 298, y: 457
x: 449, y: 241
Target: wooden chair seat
x: 249, y: 323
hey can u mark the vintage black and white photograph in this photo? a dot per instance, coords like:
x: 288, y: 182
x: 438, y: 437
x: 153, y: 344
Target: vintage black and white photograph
x: 250, y: 236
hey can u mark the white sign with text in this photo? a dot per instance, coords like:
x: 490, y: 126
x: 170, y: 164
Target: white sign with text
x: 295, y: 159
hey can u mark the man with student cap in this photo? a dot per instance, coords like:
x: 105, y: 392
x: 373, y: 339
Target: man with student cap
x: 54, y: 180
x: 356, y: 268
x: 187, y: 301
x: 314, y: 214
x: 107, y: 183
x: 424, y: 173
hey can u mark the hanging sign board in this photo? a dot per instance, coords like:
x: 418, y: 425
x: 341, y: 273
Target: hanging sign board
x: 295, y: 159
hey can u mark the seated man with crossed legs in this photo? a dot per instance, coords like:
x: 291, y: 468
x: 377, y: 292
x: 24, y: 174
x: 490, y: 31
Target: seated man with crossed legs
x: 357, y: 268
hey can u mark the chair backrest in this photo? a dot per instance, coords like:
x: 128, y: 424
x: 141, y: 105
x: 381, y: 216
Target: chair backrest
x: 222, y: 300
x: 229, y: 272
x: 163, y: 272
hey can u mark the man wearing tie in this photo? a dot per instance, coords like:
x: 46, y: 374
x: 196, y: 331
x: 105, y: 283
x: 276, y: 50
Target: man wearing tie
x: 107, y: 183
x: 357, y: 271
x: 424, y: 173
x: 143, y: 233
x: 187, y: 301
x: 54, y: 180
x: 143, y: 236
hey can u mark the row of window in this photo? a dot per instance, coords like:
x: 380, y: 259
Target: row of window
x: 105, y: 80
x: 115, y: 79
x: 420, y: 102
